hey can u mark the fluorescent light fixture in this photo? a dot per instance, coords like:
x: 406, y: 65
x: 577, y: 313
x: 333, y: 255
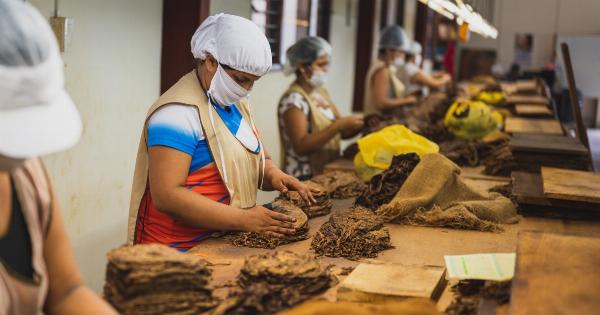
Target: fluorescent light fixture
x: 463, y: 13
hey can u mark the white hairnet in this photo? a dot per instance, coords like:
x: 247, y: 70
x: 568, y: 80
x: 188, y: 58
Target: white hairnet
x: 394, y: 37
x: 234, y: 41
x: 36, y: 115
x: 416, y: 48
x: 305, y: 52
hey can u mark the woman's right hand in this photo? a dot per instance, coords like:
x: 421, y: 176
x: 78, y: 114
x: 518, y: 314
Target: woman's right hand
x: 264, y: 221
x: 350, y: 123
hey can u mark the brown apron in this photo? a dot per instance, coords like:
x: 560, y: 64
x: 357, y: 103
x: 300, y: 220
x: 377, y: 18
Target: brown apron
x: 397, y: 87
x: 20, y: 296
x: 318, y: 122
x: 240, y: 169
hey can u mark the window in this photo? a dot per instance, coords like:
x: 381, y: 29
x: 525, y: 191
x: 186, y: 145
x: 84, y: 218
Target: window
x: 284, y: 22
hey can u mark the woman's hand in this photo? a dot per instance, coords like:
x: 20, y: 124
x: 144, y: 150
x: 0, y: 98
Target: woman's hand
x: 284, y: 183
x: 350, y: 123
x: 262, y: 220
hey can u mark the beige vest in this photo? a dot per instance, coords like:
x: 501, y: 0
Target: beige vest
x: 397, y: 87
x: 318, y: 122
x: 240, y: 169
x: 19, y: 296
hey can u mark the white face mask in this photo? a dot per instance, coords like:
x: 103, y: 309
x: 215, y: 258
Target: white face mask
x: 318, y: 78
x: 398, y: 61
x: 418, y: 60
x: 224, y: 90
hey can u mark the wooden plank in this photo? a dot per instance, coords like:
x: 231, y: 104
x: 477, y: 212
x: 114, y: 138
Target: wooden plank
x: 371, y: 282
x: 556, y: 274
x: 571, y: 185
x: 339, y: 165
x: 528, y: 125
x: 526, y: 86
x: 546, y: 144
x: 533, y: 110
x: 527, y: 99
x: 528, y: 189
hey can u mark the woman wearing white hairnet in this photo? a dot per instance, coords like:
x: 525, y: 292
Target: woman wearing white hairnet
x: 200, y: 161
x: 384, y: 91
x: 414, y: 78
x: 310, y: 125
x: 38, y: 273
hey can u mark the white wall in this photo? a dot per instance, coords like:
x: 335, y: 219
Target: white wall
x: 112, y: 73
x: 267, y: 91
x: 544, y: 19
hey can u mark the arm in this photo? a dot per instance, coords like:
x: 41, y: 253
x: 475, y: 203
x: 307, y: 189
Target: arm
x: 276, y: 179
x: 433, y: 82
x: 168, y: 170
x: 67, y: 294
x: 380, y: 85
x: 304, y: 143
x: 348, y: 132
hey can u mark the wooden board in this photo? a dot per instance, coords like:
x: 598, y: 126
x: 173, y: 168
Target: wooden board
x: 530, y: 125
x: 558, y: 144
x: 339, y: 165
x: 371, y: 282
x: 571, y: 185
x: 532, y: 110
x: 527, y: 99
x: 526, y: 86
x: 556, y: 274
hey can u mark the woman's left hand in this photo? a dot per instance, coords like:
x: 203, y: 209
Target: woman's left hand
x: 285, y: 183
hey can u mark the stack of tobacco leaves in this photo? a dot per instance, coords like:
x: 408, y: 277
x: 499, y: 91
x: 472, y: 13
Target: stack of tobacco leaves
x: 276, y: 281
x: 353, y: 234
x: 155, y: 279
x: 384, y: 186
x: 340, y: 184
x: 468, y: 294
x: 323, y: 205
x: 258, y: 240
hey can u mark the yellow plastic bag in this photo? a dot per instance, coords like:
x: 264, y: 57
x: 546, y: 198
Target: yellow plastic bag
x: 491, y: 97
x: 472, y: 119
x: 376, y: 150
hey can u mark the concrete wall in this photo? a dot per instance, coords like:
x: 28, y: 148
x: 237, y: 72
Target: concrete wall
x: 544, y: 19
x: 112, y: 73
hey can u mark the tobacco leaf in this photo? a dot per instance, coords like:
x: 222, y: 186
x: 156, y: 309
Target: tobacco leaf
x: 340, y: 184
x: 323, y: 205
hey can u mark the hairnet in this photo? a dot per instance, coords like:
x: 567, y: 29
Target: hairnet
x: 416, y: 48
x: 36, y: 115
x: 304, y: 52
x: 234, y: 41
x: 394, y: 37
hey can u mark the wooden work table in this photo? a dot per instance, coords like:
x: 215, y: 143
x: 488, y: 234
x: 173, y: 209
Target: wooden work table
x: 413, y: 245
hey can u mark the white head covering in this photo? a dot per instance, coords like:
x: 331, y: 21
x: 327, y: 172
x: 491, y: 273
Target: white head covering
x: 234, y: 41
x: 304, y: 52
x: 37, y: 116
x: 416, y: 48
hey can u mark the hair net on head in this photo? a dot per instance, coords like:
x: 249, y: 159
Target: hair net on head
x: 36, y: 115
x: 305, y: 51
x: 416, y: 48
x: 394, y: 37
x: 234, y: 41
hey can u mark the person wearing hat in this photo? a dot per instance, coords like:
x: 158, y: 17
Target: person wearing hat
x: 200, y: 160
x: 38, y: 273
x: 414, y: 78
x: 310, y: 125
x: 384, y: 91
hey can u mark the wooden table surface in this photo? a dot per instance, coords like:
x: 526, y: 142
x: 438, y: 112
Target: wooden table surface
x: 413, y: 245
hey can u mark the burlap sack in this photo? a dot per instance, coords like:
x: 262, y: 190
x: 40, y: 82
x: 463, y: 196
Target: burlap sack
x: 435, y: 194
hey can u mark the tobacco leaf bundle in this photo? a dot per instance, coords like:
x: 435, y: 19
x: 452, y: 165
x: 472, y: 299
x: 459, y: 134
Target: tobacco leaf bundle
x: 340, y: 184
x: 323, y: 205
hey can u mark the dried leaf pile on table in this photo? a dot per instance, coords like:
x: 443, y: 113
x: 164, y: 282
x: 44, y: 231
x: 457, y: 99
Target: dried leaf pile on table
x: 354, y: 234
x: 500, y: 161
x: 384, y: 186
x: 258, y: 240
x: 468, y: 294
x: 156, y: 279
x: 276, y: 281
x: 340, y: 184
x: 323, y: 205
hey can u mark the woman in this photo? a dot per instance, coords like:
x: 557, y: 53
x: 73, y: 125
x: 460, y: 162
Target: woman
x: 414, y: 78
x: 384, y: 92
x: 38, y: 273
x: 310, y: 125
x: 200, y: 160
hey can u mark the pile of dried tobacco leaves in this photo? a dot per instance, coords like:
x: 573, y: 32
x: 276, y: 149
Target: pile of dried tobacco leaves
x: 275, y: 281
x: 340, y: 184
x: 353, y: 234
x: 323, y: 205
x: 468, y: 294
x: 156, y: 279
x: 257, y: 240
